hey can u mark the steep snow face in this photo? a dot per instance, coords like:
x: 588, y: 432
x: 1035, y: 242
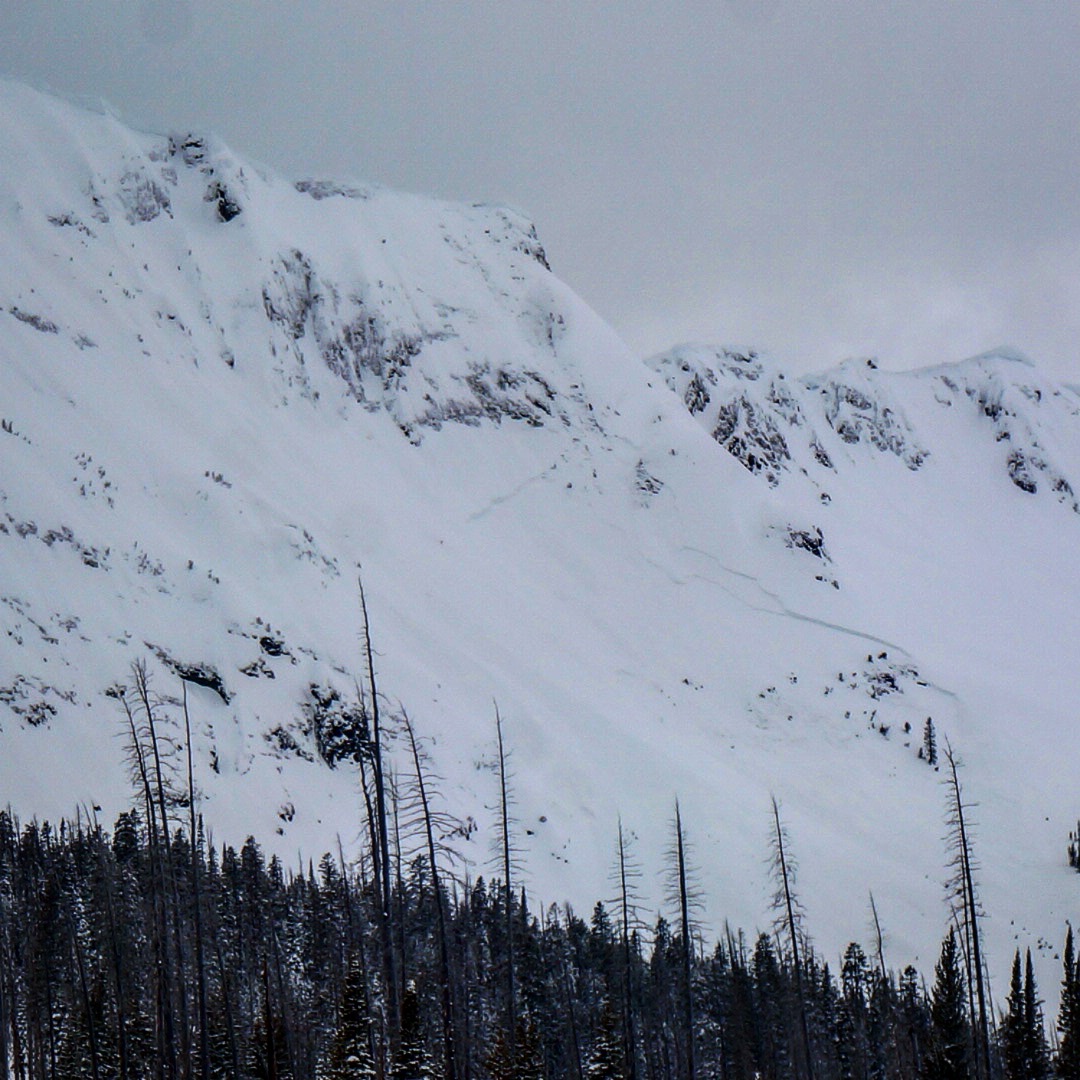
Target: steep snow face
x: 222, y: 392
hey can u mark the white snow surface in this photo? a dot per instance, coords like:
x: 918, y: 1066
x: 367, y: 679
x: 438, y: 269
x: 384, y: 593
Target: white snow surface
x: 208, y: 425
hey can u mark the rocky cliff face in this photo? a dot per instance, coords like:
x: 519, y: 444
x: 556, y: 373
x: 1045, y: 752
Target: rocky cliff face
x: 774, y: 424
x: 431, y: 312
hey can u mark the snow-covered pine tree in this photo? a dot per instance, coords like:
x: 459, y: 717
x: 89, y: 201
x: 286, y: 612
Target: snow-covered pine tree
x: 412, y: 1060
x: 1012, y: 1034
x: 1024, y: 1052
x: 949, y: 1054
x: 929, y: 747
x: 1038, y: 1053
x: 349, y: 1054
x: 1067, y: 1065
x: 606, y: 1058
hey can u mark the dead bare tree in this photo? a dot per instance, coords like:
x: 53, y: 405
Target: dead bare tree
x: 196, y: 899
x: 964, y: 899
x: 508, y: 895
x: 685, y: 896
x: 381, y: 830
x: 138, y: 755
x: 449, y: 1038
x: 787, y: 904
x: 628, y: 873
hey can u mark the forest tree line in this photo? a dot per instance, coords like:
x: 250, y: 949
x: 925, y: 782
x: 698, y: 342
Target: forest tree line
x: 148, y: 953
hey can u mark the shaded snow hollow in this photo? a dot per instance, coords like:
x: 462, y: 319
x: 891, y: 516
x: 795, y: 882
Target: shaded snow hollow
x: 221, y: 392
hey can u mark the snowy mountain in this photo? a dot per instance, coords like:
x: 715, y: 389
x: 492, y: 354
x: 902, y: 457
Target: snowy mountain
x: 222, y: 393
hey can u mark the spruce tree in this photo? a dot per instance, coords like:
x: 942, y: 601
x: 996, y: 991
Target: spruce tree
x: 929, y: 746
x: 411, y: 1060
x: 349, y: 1055
x: 1067, y: 1065
x: 949, y: 1054
x: 1013, y: 1033
x: 524, y: 1062
x: 606, y: 1058
x: 1024, y: 1052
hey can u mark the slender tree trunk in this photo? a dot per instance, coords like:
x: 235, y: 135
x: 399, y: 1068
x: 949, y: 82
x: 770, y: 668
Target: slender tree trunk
x: 270, y: 1047
x: 508, y: 895
x: 4, y: 1070
x: 569, y: 1002
x: 449, y: 1059
x: 789, y: 906
x: 18, y: 1058
x: 52, y: 1027
x: 971, y: 916
x: 286, y: 1018
x: 117, y: 967
x: 230, y: 1022
x: 91, y: 1030
x: 687, y: 947
x: 164, y: 1026
x: 385, y: 913
x: 5, y: 964
x: 878, y: 938
x: 142, y: 686
x: 628, y: 967
x: 402, y: 944
x: 196, y: 858
x: 373, y: 837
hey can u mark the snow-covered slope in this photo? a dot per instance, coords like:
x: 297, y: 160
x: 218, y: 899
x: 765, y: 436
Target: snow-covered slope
x: 222, y: 393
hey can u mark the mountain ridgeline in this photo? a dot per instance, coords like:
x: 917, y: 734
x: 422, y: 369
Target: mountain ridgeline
x: 225, y: 397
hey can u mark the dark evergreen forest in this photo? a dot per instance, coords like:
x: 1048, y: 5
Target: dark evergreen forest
x: 149, y: 953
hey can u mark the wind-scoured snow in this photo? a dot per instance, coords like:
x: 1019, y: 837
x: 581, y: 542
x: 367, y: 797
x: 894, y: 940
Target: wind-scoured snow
x: 223, y: 392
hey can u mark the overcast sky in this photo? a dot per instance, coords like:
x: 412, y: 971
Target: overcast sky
x: 823, y: 179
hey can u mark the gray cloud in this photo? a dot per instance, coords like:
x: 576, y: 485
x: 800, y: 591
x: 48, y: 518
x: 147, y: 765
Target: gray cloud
x: 890, y: 178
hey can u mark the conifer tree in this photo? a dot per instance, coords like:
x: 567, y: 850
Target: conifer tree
x: 912, y: 1022
x: 1013, y: 1034
x: 606, y: 1054
x: 411, y: 1059
x: 1024, y: 1052
x: 1067, y: 1065
x: 524, y: 1062
x: 1038, y: 1054
x: 929, y: 746
x: 949, y: 1054
x: 772, y: 1046
x: 349, y: 1056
